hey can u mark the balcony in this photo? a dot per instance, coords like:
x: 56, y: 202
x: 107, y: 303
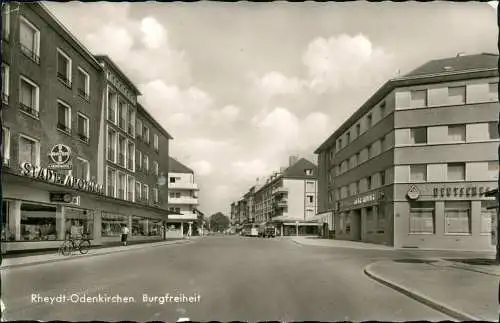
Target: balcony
x: 29, y: 110
x: 63, y: 127
x: 183, y: 186
x: 183, y: 200
x: 82, y: 93
x: 64, y: 79
x: 83, y: 137
x: 30, y: 53
x: 280, y: 190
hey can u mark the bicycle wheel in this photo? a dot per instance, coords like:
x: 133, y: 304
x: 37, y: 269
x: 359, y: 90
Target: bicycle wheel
x: 84, y: 246
x: 67, y: 248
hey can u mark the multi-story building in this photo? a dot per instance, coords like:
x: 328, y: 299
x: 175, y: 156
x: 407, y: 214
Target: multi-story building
x: 286, y: 198
x: 410, y: 167
x: 183, y: 198
x: 53, y: 139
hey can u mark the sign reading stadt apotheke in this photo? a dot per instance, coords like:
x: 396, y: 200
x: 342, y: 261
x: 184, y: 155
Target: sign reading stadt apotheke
x: 50, y: 176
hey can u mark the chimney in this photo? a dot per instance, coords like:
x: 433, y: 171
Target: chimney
x: 292, y: 160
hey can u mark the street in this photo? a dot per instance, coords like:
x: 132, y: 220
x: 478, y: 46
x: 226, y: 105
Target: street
x: 236, y: 278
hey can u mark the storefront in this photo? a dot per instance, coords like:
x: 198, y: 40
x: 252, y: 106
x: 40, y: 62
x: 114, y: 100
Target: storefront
x: 444, y: 216
x: 287, y: 226
x: 39, y: 211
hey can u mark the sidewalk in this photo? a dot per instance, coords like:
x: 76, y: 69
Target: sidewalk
x: 313, y: 241
x: 462, y: 294
x: 8, y: 263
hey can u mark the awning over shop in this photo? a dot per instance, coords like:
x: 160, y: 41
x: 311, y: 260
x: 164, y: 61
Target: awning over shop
x: 287, y: 220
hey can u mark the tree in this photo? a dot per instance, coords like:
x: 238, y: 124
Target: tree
x: 219, y: 222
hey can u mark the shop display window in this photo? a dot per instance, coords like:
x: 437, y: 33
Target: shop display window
x: 38, y: 222
x: 111, y: 224
x: 79, y: 222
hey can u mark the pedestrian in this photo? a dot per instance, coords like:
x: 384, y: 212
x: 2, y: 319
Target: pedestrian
x: 124, y: 235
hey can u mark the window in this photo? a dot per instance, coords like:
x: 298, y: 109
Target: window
x: 493, y: 169
x: 111, y: 145
x: 111, y: 224
x: 122, y: 114
x: 63, y: 117
x: 172, y: 179
x: 309, y: 172
x: 145, y: 135
x: 138, y: 158
x: 29, y: 150
x: 369, y: 183
x: 348, y: 137
x: 418, y: 135
x: 456, y: 172
x: 358, y: 158
x: 79, y: 221
x: 155, y: 195
x: 456, y: 95
x: 369, y: 151
x: 138, y: 191
x: 382, y: 178
x: 145, y: 192
x: 83, y: 127
x: 83, y: 83
x: 418, y: 98
x: 38, y: 222
x: 487, y: 216
x: 422, y: 217
x: 5, y: 146
x: 340, y: 144
x: 155, y: 168
x: 146, y: 163
x: 493, y: 91
x: 357, y: 187
x: 138, y: 133
x: 63, y: 67
x: 369, y: 120
x: 121, y: 150
x: 456, y: 132
x: 131, y: 121
x: 5, y: 83
x: 382, y: 109
x: 155, y: 142
x: 29, y: 40
x: 358, y: 130
x: 418, y: 173
x: 493, y: 130
x: 6, y: 21
x: 130, y: 188
x: 130, y: 156
x: 457, y: 217
x: 112, y: 106
x: 82, y: 169
x: 121, y: 185
x: 29, y: 97
x: 310, y: 199
x: 111, y: 182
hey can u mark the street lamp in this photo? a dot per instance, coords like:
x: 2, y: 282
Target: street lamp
x: 297, y: 228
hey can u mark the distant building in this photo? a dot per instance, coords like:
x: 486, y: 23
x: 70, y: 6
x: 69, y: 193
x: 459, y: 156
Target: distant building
x: 183, y: 198
x: 411, y: 166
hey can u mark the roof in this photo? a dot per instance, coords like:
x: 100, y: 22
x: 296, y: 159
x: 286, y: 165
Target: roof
x: 177, y: 167
x: 115, y: 67
x: 298, y: 169
x: 150, y: 118
x: 429, y: 73
x: 457, y: 64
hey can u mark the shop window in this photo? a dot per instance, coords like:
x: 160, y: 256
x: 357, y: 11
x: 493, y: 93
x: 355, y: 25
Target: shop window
x: 418, y: 98
x: 79, y: 222
x: 154, y: 227
x: 112, y: 101
x: 487, y: 216
x: 456, y: 172
x: 418, y: 135
x: 38, y: 222
x: 457, y: 217
x: 422, y: 217
x: 144, y: 227
x: 418, y: 173
x: 111, y: 224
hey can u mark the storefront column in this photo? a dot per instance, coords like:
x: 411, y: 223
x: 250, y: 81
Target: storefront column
x: 14, y: 219
x: 60, y: 223
x: 97, y: 226
x: 364, y: 225
x: 190, y: 232
x: 130, y: 224
x: 475, y: 218
x: 439, y: 220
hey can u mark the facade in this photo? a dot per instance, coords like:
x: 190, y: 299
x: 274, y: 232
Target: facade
x: 183, y: 199
x: 286, y: 198
x: 54, y: 141
x: 410, y: 168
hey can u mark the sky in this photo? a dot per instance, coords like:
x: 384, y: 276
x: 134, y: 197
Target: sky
x: 242, y: 86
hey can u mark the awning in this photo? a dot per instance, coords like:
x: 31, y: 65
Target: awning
x: 288, y: 220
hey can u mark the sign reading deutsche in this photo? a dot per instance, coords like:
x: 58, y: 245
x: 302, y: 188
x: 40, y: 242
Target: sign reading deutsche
x: 48, y: 175
x: 460, y: 191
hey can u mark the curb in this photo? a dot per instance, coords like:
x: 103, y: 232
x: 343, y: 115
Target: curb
x: 345, y: 247
x: 4, y: 267
x: 450, y: 311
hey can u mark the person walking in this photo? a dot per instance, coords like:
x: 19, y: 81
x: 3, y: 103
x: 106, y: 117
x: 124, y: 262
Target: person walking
x: 124, y: 235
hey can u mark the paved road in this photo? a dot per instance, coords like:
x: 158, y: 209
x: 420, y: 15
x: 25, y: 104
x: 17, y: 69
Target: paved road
x: 237, y: 278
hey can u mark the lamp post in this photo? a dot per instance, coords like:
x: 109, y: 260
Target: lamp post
x: 297, y: 228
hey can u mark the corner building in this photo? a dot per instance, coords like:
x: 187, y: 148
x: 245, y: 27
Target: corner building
x: 410, y: 167
x: 53, y: 138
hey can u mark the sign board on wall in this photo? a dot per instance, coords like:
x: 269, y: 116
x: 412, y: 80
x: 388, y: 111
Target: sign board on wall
x: 60, y: 156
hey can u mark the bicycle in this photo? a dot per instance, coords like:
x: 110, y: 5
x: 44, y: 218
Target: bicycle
x: 69, y: 245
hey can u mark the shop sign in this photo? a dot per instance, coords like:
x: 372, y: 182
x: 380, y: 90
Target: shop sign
x: 50, y: 176
x: 60, y: 155
x: 365, y: 199
x: 413, y: 193
x: 61, y: 197
x: 470, y: 191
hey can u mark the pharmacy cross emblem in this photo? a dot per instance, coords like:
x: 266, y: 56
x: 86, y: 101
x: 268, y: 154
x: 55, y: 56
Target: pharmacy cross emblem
x: 60, y: 154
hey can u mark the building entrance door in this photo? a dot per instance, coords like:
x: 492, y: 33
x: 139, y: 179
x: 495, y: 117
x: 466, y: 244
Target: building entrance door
x: 356, y: 225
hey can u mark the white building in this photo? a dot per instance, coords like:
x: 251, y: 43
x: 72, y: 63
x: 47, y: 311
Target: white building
x: 182, y: 199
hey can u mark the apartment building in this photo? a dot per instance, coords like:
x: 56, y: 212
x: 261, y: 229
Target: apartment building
x: 53, y: 143
x: 286, y: 198
x: 410, y: 167
x: 183, y: 199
